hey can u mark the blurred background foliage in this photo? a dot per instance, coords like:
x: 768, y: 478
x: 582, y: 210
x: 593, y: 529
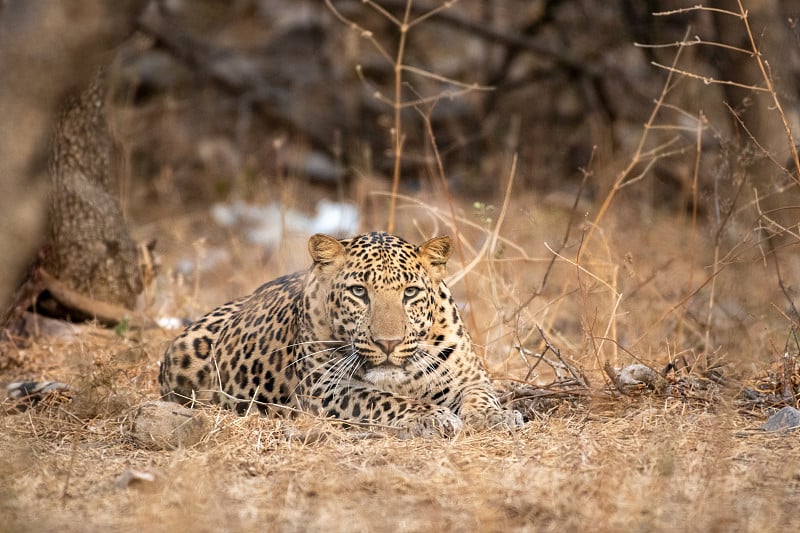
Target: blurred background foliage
x: 663, y: 107
x: 235, y: 93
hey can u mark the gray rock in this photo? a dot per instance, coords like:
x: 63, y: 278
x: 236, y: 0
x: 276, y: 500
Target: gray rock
x: 787, y: 419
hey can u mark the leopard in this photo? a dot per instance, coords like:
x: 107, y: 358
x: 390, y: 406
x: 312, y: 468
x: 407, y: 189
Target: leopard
x: 370, y: 335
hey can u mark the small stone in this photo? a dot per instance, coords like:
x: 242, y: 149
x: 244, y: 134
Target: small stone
x: 636, y: 375
x: 133, y: 477
x: 163, y: 425
x: 787, y: 419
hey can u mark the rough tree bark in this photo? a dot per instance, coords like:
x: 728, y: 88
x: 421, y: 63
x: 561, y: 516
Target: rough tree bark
x: 89, y: 247
x: 47, y: 50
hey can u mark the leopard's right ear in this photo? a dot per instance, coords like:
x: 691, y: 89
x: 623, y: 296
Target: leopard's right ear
x: 325, y: 250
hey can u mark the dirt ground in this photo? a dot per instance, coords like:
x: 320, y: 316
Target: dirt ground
x: 651, y: 467
x: 686, y: 458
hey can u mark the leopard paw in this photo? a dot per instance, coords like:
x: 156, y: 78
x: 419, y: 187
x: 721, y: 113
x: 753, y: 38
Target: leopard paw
x: 437, y: 423
x: 503, y: 419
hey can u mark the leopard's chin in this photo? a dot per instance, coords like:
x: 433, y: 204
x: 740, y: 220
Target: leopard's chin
x: 386, y: 376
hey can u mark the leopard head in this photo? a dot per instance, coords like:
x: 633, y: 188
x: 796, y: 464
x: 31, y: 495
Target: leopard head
x: 379, y: 294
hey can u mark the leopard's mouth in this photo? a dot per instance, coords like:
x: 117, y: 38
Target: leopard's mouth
x: 374, y: 357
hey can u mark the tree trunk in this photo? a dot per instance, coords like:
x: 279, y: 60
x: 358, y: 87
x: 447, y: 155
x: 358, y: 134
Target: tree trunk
x: 89, y: 248
x: 47, y: 50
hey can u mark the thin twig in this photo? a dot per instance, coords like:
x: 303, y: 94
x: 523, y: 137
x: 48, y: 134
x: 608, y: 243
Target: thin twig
x: 634, y: 159
x: 708, y: 80
x: 576, y: 375
x: 771, y: 88
x: 695, y: 42
x: 573, y: 217
x: 695, y: 8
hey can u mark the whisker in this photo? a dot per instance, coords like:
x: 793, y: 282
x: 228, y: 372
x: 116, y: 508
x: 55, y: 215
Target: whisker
x: 360, y: 362
x: 348, y: 363
x: 429, y: 365
x: 309, y: 373
x: 311, y: 354
x: 420, y: 366
x: 333, y: 371
x: 297, y: 345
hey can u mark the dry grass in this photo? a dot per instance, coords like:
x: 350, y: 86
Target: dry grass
x: 590, y: 460
x: 554, y: 293
x: 652, y: 465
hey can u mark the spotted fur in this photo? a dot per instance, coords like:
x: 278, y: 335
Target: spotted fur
x: 369, y: 334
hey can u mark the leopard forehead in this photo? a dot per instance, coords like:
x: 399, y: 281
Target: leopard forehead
x: 382, y: 261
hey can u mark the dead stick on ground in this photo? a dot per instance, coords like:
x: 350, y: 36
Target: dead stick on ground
x: 105, y: 312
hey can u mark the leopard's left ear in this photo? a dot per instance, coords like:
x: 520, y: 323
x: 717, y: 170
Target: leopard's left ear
x: 434, y: 254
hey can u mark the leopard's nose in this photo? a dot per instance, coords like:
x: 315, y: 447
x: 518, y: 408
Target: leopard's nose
x: 387, y: 346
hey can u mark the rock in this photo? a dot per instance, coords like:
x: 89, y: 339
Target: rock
x: 132, y: 477
x: 163, y: 425
x: 639, y: 375
x: 787, y: 419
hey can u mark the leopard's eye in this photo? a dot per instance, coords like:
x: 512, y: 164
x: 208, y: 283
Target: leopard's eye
x: 359, y: 291
x: 410, y: 292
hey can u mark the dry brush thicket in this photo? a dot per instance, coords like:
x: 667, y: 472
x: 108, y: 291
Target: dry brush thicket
x: 623, y: 187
